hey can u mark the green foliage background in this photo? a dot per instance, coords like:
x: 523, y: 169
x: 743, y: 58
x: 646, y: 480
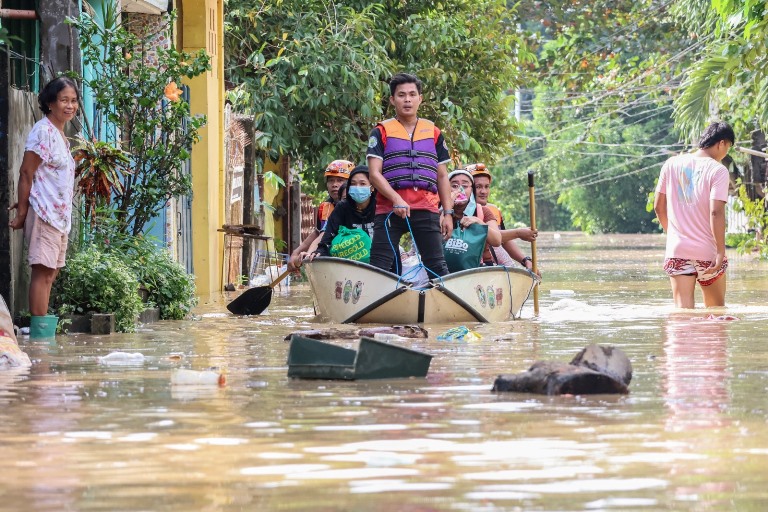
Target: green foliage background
x: 618, y: 86
x: 128, y: 92
x: 314, y: 74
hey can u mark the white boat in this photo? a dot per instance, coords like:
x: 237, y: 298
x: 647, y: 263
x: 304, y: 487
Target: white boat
x: 348, y: 291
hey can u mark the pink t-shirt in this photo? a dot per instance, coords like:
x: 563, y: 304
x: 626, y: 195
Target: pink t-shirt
x: 690, y: 182
x: 54, y: 182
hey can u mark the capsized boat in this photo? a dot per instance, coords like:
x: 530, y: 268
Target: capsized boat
x: 348, y: 291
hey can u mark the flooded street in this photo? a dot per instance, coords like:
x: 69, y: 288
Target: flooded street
x: 691, y: 435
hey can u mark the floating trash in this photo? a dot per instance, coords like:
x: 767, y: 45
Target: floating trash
x: 460, y: 333
x: 183, y: 377
x: 374, y: 359
x: 387, y: 337
x: 122, y: 358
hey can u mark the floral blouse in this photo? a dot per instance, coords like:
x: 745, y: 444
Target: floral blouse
x: 54, y: 181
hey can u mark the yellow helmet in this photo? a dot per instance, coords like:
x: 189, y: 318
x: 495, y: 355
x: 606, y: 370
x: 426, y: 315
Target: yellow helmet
x: 339, y: 169
x: 479, y: 170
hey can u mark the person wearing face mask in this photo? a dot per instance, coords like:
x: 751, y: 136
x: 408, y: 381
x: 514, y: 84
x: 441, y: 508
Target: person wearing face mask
x: 466, y: 211
x: 356, y: 211
x: 336, y: 175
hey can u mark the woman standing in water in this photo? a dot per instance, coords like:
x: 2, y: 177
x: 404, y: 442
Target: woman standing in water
x: 46, y: 184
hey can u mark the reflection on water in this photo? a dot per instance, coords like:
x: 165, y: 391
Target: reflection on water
x: 80, y: 435
x: 696, y: 377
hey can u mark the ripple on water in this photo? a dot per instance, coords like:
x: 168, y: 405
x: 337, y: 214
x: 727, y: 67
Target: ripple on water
x: 387, y: 445
x: 283, y: 469
x: 359, y: 428
x: 536, y: 474
x: 621, y: 503
x: 382, y: 486
x: 505, y: 406
x: 588, y: 486
x: 354, y: 473
x: 221, y: 441
x: 375, y: 458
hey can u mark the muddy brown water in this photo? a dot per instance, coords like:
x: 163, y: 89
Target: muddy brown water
x: 79, y: 435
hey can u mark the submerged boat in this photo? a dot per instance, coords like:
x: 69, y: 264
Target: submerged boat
x: 348, y: 291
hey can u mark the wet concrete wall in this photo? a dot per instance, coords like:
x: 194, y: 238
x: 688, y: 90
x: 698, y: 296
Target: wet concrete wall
x: 59, y: 52
x: 22, y: 114
x: 59, y: 47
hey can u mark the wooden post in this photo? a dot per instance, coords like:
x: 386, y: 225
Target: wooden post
x: 534, y: 261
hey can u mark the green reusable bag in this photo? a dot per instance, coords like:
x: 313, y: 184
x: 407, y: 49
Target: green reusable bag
x: 465, y: 247
x: 352, y: 244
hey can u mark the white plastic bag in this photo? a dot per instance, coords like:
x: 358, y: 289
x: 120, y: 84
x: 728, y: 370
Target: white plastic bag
x: 419, y: 278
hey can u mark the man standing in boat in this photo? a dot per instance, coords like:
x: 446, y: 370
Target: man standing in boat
x: 508, y: 251
x: 407, y: 159
x: 336, y: 175
x: 690, y: 204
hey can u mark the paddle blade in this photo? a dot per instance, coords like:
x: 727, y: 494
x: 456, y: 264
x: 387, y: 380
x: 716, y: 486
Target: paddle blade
x: 252, y: 301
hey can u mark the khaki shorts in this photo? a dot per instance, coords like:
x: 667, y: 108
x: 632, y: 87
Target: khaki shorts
x: 47, y: 245
x: 696, y: 268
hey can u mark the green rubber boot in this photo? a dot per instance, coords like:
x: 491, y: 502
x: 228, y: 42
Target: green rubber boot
x: 42, y: 327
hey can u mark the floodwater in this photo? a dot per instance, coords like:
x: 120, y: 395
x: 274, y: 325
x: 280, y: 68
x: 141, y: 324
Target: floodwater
x: 692, y: 435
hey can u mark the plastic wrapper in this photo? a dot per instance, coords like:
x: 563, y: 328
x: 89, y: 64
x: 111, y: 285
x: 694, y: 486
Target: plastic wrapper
x: 184, y: 377
x: 460, y: 333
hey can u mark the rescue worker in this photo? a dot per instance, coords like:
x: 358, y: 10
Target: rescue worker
x: 407, y: 159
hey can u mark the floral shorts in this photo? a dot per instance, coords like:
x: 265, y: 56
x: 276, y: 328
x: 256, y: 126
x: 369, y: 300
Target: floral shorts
x: 683, y: 267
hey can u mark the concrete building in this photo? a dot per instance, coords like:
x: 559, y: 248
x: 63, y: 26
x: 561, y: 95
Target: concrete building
x: 48, y: 46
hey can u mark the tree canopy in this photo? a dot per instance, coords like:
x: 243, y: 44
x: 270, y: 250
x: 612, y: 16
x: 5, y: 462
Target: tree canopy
x: 314, y: 74
x: 610, y: 88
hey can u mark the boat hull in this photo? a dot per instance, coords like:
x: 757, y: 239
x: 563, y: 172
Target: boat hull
x: 348, y: 291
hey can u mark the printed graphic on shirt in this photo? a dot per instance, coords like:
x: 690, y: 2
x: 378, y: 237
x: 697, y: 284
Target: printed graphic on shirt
x: 687, y: 179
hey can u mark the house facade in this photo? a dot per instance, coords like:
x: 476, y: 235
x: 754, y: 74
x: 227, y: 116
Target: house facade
x: 46, y: 46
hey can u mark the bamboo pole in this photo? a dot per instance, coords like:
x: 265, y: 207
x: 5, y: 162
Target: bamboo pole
x: 534, y: 261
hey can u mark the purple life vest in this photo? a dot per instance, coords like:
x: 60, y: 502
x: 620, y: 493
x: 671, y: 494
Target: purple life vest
x: 410, y: 161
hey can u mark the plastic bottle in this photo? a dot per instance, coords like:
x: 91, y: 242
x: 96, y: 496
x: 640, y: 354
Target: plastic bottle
x: 122, y: 358
x: 183, y: 377
x: 387, y: 337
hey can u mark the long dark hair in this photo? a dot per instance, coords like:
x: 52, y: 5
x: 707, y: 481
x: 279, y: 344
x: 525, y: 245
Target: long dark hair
x: 51, y: 91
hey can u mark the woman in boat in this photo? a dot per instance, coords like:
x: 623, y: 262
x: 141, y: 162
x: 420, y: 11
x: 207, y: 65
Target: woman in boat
x: 356, y: 211
x: 466, y: 211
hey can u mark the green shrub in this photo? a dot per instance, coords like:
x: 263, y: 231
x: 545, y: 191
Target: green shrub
x: 98, y: 282
x: 169, y: 285
x: 734, y: 240
x: 170, y: 288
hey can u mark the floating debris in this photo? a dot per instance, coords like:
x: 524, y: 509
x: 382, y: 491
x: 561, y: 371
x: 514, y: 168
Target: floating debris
x: 122, y: 358
x: 184, y: 377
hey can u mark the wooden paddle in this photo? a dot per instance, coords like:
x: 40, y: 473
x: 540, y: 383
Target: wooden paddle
x: 535, y: 267
x: 254, y: 301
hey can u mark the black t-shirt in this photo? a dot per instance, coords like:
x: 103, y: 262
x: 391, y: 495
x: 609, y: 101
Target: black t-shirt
x: 346, y: 214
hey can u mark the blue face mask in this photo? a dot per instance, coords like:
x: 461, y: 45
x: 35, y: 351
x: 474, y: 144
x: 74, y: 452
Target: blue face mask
x: 471, y: 206
x: 359, y: 194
